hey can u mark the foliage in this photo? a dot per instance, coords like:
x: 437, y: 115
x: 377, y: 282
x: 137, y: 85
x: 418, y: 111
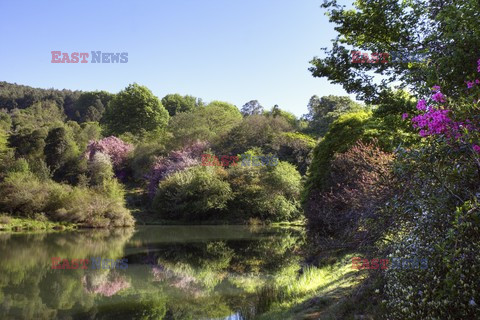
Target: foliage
x: 294, y: 148
x: 59, y: 148
x: 40, y: 115
x: 433, y: 28
x: 175, y: 161
x: 14, y: 96
x: 143, y: 158
x: 343, y: 133
x: 288, y: 116
x: 135, y: 109
x: 438, y: 208
x: 116, y: 149
x: 84, y: 133
x: 360, y: 182
x: 28, y: 143
x: 228, y: 107
x: 253, y: 131
x: 323, y: 111
x: 437, y: 212
x: 196, y: 193
x: 100, y: 169
x: 252, y: 107
x: 5, y: 120
x: 212, y: 123
x: 267, y: 193
x: 175, y: 103
x: 89, y: 106
x: 21, y: 193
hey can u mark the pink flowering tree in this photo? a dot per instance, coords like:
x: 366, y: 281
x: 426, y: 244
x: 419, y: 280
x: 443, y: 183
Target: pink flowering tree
x: 176, y: 161
x: 116, y: 149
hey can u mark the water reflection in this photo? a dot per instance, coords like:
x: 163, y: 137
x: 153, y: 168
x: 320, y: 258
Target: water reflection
x: 174, y: 272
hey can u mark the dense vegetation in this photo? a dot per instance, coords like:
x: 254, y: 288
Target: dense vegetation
x: 90, y: 157
x: 402, y: 180
x: 397, y: 177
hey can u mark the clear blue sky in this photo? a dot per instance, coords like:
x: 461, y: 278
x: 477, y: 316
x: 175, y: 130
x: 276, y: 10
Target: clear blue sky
x: 227, y: 50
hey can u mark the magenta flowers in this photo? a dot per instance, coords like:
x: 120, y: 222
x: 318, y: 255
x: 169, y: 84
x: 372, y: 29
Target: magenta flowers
x: 436, y: 119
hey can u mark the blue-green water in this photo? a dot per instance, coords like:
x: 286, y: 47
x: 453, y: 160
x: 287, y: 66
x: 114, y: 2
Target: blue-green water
x: 174, y: 272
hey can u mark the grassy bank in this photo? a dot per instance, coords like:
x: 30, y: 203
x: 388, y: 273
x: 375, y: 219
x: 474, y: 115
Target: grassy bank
x: 326, y: 292
x: 10, y: 224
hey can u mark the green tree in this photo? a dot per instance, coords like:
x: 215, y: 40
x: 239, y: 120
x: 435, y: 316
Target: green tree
x: 446, y: 32
x: 266, y: 193
x: 175, y: 103
x: 29, y: 144
x: 295, y: 148
x: 90, y: 106
x: 60, y: 151
x: 211, y: 123
x: 252, y: 107
x: 42, y: 114
x: 343, y: 133
x: 288, y: 116
x: 254, y: 131
x: 135, y: 109
x: 323, y: 111
x: 5, y: 120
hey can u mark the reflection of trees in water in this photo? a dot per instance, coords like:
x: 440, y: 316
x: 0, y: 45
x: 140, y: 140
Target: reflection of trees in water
x: 30, y: 289
x: 183, y: 280
x: 106, y: 284
x: 241, y: 270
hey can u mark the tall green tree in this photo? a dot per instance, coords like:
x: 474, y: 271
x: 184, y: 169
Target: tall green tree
x: 254, y: 131
x: 136, y: 110
x: 209, y: 123
x: 90, y: 106
x: 61, y: 153
x: 252, y: 107
x: 175, y: 103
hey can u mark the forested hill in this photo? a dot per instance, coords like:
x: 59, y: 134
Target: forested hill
x: 77, y: 105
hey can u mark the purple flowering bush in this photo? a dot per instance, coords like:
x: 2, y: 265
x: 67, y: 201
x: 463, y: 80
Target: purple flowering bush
x: 113, y: 147
x: 176, y: 161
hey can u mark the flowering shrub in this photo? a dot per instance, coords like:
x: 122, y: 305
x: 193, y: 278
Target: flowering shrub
x: 437, y: 212
x: 113, y: 147
x: 176, y: 161
x: 438, y: 119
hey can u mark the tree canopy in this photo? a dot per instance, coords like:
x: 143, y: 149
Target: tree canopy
x: 135, y: 109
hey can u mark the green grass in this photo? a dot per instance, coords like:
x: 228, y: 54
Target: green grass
x: 317, y: 293
x: 8, y: 223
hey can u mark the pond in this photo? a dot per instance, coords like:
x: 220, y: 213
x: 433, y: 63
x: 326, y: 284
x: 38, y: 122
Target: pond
x: 151, y: 272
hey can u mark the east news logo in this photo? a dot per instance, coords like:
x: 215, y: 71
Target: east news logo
x: 97, y: 263
x: 97, y: 57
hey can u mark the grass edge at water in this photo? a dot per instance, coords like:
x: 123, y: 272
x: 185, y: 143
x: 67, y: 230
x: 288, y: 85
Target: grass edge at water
x: 315, y: 291
x: 10, y: 224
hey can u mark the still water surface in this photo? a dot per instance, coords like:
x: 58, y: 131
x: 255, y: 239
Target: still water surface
x: 173, y: 272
